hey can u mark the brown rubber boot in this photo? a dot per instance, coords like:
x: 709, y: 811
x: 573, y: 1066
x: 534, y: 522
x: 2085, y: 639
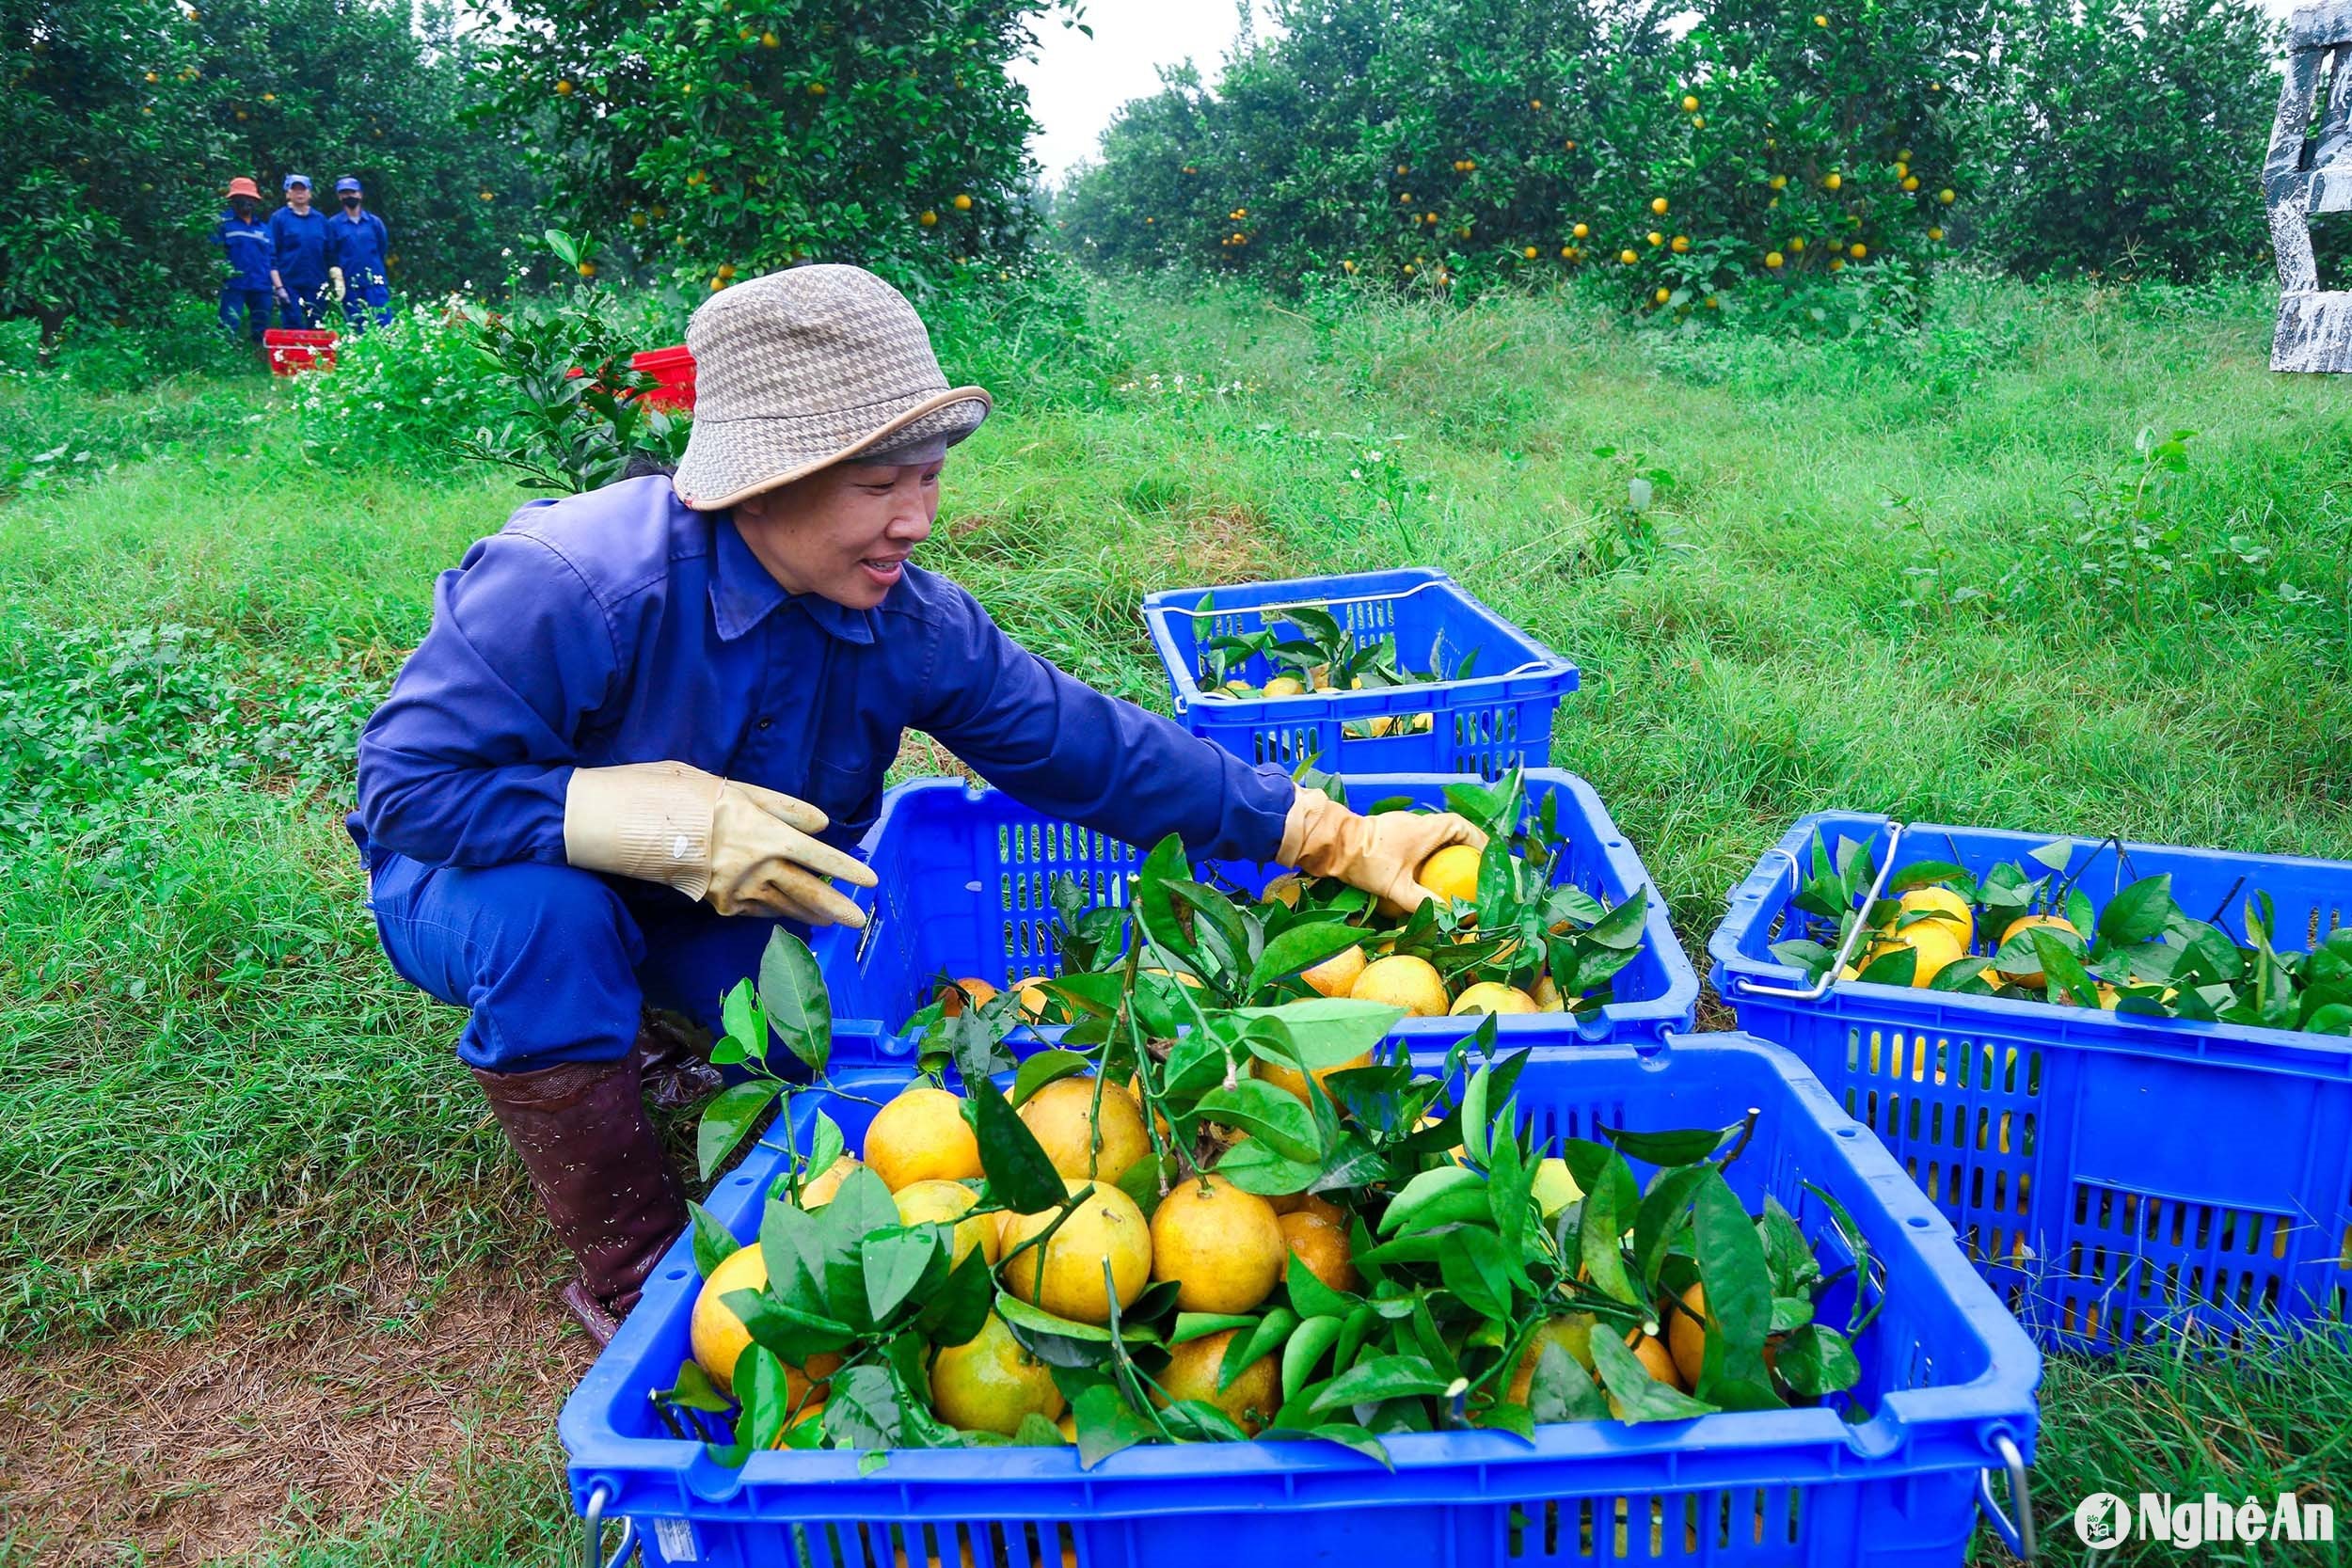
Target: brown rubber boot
x: 599, y: 1172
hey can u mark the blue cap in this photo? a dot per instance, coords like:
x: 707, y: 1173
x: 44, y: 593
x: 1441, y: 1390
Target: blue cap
x: 346, y: 183
x: 293, y: 180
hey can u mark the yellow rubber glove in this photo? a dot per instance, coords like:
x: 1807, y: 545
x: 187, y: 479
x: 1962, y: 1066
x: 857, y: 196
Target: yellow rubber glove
x: 335, y: 280
x: 742, y: 848
x: 1380, y: 854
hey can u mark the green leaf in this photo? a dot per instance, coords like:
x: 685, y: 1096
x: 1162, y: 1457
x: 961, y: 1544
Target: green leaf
x: 1925, y: 874
x: 1302, y: 1353
x: 2062, y: 968
x: 795, y: 1246
x: 1816, y: 1360
x: 2139, y: 912
x: 694, y: 1390
x: 1382, y: 1377
x: 898, y: 1263
x: 1600, y: 1232
x: 1472, y: 1264
x: 957, y: 1311
x: 1738, y: 1283
x: 1105, y: 1424
x: 861, y: 1207
x: 1255, y: 1166
x: 1326, y: 1031
x: 1154, y: 903
x: 2055, y: 855
x: 1020, y: 1174
x: 1245, y: 1350
x: 1430, y: 1187
x: 793, y: 994
x: 1475, y: 1115
x: 767, y: 1399
x: 1269, y: 1112
x: 730, y: 1119
x: 1303, y: 946
x: 713, y: 1245
x: 1621, y: 928
x: 1639, y: 1396
x: 1047, y: 1067
x: 793, y: 1335
x: 1788, y: 1257
x: 746, y: 1028
x: 1681, y: 1148
x: 1560, y: 1390
x: 1036, y: 1431
x: 1311, y: 1298
x: 1895, y: 966
x: 1790, y: 1312
x: 1199, y: 1325
x: 1663, y: 1216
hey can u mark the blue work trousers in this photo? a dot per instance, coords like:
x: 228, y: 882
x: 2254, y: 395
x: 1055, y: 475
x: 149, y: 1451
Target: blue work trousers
x: 365, y: 303
x: 249, y: 307
x: 305, y: 307
x: 555, y: 962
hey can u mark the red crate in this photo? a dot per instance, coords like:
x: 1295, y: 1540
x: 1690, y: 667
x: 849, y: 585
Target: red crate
x: 293, y: 350
x: 674, y: 369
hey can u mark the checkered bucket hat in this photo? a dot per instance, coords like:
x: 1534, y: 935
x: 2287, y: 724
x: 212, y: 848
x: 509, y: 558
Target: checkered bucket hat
x: 809, y: 367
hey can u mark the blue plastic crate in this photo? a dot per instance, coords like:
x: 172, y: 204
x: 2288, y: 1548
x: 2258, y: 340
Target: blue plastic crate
x: 2115, y: 1176
x: 1499, y: 715
x: 965, y: 877
x: 1948, y: 1387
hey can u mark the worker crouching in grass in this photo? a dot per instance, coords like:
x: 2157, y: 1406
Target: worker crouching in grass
x: 649, y: 722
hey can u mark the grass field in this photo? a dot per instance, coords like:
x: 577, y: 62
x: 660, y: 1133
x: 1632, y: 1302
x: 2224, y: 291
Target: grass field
x: 270, y: 1284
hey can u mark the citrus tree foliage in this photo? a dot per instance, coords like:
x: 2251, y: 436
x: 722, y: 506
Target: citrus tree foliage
x: 1774, y: 158
x: 97, y: 166
x: 707, y: 138
x: 379, y: 91
x: 121, y: 122
x: 2130, y: 139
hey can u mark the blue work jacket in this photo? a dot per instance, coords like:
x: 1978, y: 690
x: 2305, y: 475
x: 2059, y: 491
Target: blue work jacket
x: 298, y: 247
x: 357, y: 245
x: 250, y: 248
x: 622, y: 626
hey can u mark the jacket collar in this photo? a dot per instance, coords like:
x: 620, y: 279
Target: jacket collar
x: 742, y: 594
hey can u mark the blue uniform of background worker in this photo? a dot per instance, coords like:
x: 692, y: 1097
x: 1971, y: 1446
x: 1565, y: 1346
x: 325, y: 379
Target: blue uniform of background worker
x: 298, y: 261
x: 649, y: 719
x: 245, y: 240
x: 356, y: 248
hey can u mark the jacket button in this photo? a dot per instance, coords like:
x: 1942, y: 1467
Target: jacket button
x: 763, y: 723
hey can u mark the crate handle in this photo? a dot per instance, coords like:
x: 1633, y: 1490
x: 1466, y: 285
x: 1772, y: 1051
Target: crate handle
x: 2017, y: 1533
x: 592, y: 1553
x: 1845, y: 949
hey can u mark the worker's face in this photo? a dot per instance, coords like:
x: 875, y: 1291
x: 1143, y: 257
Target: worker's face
x: 299, y: 198
x: 242, y: 206
x: 844, y: 532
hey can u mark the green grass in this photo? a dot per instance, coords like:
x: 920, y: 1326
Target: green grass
x: 1876, y: 576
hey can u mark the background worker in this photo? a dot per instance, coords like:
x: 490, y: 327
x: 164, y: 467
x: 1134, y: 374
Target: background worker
x: 298, y: 272
x: 649, y: 721
x: 246, y: 241
x: 356, y: 246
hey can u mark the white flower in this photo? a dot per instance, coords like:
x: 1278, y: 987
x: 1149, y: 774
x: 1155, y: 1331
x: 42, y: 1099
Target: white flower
x: 1372, y: 457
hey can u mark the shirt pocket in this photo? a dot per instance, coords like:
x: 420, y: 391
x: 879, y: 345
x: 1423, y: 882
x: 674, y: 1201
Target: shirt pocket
x: 848, y: 794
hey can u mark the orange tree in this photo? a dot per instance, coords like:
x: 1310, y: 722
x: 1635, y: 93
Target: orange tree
x: 102, y: 154
x: 1809, y: 140
x: 710, y: 139
x: 1468, y: 142
x: 2130, y: 138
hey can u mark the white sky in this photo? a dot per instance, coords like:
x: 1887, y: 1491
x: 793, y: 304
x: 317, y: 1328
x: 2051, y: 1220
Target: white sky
x: 1076, y: 83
